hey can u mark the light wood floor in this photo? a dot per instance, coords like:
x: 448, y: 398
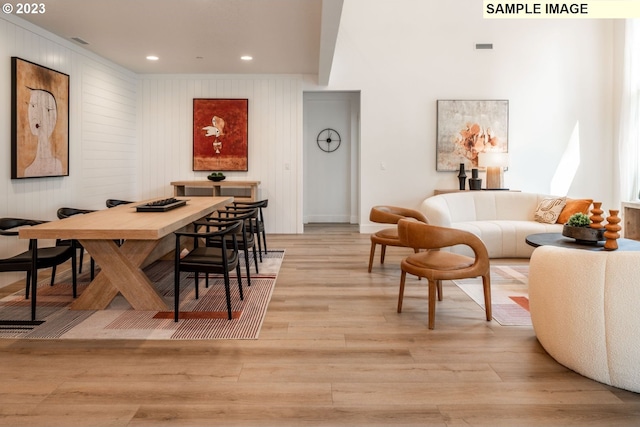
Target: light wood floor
x: 332, y: 351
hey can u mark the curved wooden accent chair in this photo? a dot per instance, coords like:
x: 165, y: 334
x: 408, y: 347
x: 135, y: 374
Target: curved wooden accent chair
x: 389, y: 236
x: 438, y: 265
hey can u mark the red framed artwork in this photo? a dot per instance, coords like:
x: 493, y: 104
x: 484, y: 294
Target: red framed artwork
x: 220, y: 134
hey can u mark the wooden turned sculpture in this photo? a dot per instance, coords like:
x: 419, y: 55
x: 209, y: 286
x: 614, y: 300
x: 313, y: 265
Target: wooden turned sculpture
x: 596, y: 216
x: 611, y: 234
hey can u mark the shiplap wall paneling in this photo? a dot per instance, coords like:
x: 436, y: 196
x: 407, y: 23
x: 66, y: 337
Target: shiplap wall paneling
x: 275, y: 122
x: 102, y: 131
x: 109, y: 135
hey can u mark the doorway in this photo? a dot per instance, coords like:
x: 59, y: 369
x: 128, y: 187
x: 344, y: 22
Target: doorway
x: 331, y: 154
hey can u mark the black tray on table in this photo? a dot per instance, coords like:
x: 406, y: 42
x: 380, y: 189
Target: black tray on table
x: 161, y: 205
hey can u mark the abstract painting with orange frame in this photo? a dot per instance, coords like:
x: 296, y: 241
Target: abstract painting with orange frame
x: 220, y: 134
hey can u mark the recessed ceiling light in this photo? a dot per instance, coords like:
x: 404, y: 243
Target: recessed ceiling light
x: 246, y: 57
x: 152, y: 58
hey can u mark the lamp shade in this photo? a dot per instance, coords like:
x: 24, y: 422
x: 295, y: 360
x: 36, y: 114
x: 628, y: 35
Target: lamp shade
x: 493, y: 159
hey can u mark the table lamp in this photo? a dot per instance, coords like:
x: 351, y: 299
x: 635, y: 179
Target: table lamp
x: 495, y: 163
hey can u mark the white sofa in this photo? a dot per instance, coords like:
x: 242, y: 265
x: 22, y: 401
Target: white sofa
x: 584, y: 310
x: 502, y: 219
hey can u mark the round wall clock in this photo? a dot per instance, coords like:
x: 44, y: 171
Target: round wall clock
x: 328, y: 140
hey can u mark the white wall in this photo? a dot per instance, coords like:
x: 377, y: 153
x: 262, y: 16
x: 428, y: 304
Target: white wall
x: 406, y: 54
x: 275, y: 137
x: 102, y: 131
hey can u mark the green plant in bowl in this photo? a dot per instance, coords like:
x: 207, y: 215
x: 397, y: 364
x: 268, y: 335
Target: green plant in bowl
x: 216, y: 176
x: 577, y: 227
x: 579, y: 220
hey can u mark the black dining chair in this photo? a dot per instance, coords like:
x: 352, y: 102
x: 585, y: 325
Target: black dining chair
x: 260, y: 224
x: 245, y: 237
x: 34, y: 259
x: 207, y: 259
x: 65, y: 213
x: 112, y: 203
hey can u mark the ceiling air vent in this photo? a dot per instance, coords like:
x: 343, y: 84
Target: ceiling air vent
x: 79, y: 40
x: 488, y: 46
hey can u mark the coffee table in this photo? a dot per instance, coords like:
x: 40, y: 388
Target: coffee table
x: 557, y: 239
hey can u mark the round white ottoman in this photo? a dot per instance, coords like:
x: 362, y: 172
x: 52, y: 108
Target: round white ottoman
x: 585, y: 309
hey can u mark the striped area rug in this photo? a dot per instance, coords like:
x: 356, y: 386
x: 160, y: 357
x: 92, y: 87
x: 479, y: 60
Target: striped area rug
x: 509, y: 294
x: 201, y: 319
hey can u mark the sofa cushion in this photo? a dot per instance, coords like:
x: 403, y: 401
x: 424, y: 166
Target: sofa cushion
x: 549, y: 209
x: 574, y: 206
x: 504, y: 239
x: 445, y: 209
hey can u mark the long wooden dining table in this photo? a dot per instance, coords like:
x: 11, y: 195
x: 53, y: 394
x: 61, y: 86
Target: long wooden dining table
x: 147, y: 236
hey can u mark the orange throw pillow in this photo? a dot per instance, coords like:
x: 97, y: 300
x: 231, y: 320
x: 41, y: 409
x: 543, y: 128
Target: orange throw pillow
x: 574, y: 206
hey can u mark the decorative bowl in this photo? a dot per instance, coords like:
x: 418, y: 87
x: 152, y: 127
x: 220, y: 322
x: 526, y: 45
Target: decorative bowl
x: 216, y: 178
x: 584, y: 234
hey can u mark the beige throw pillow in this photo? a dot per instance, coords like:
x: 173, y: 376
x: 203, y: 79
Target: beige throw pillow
x: 549, y: 209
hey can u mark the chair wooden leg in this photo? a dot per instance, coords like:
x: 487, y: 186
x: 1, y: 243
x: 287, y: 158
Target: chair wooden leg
x: 28, y: 286
x: 439, y: 283
x: 240, y: 281
x: 197, y: 284
x: 383, y: 252
x: 81, y: 260
x: 371, y: 255
x: 403, y: 277
x: 34, y: 293
x: 255, y: 258
x: 176, y: 296
x: 247, y: 268
x: 34, y: 276
x: 486, y: 285
x: 259, y: 238
x: 74, y: 277
x: 432, y: 303
x: 176, y: 283
x: 264, y: 238
x: 53, y: 275
x: 227, y: 291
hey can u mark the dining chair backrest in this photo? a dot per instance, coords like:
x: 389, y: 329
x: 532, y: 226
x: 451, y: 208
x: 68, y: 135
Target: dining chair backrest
x: 250, y: 232
x: 67, y: 212
x: 8, y: 226
x: 111, y: 203
x: 208, y: 260
x: 260, y: 223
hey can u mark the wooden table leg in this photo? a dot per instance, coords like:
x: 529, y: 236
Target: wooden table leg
x: 120, y: 273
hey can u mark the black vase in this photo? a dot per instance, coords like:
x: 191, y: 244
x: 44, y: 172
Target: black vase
x: 462, y: 177
x: 475, y: 183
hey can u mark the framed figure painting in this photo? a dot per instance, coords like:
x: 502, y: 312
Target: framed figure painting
x: 39, y: 121
x: 220, y: 134
x: 467, y: 128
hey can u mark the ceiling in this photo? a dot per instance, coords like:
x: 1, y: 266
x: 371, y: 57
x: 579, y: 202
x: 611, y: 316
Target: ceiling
x: 201, y: 36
